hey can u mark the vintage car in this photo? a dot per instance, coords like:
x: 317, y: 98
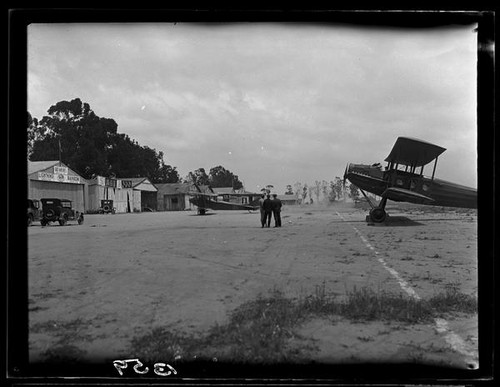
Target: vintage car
x: 33, y: 211
x: 59, y: 210
x: 107, y: 207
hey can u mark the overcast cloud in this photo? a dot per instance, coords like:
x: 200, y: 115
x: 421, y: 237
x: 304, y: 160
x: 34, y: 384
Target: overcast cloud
x: 273, y: 103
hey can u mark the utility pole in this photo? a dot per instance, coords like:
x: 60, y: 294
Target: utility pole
x: 59, y: 141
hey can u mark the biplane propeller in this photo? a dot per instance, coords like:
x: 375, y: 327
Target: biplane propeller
x: 403, y: 179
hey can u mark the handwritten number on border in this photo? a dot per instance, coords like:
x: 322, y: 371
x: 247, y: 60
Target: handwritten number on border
x: 159, y: 368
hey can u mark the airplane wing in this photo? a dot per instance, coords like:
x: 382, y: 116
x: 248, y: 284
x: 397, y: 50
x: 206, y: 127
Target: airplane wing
x: 237, y: 194
x: 413, y: 152
x: 202, y: 194
x: 405, y: 195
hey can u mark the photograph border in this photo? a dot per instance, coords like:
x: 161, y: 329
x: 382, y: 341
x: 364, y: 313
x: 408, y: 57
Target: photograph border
x: 20, y: 371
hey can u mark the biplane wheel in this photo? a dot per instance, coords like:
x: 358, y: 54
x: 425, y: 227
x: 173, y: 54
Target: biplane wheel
x: 378, y: 215
x: 201, y: 211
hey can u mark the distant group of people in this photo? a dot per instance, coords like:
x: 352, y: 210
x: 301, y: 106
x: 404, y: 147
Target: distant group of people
x: 270, y: 207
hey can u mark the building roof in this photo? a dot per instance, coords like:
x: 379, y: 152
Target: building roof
x: 137, y: 181
x: 35, y: 166
x: 223, y: 190
x: 174, y: 188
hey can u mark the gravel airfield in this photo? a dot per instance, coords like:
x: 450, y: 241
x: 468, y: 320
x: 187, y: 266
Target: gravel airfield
x: 93, y: 288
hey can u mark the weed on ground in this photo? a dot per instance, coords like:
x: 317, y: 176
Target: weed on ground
x: 259, y: 331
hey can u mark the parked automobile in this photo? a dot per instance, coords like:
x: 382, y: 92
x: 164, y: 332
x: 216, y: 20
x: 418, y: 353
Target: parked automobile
x: 107, y: 207
x: 34, y: 211
x: 59, y: 210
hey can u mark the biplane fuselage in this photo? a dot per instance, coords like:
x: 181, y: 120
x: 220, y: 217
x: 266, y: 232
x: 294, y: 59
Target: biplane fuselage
x: 433, y: 191
x: 206, y: 201
x: 403, y: 179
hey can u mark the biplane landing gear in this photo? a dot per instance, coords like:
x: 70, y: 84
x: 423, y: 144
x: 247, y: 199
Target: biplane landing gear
x: 377, y: 213
x: 202, y: 211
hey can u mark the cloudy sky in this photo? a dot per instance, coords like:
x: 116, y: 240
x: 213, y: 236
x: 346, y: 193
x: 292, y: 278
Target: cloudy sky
x: 273, y: 103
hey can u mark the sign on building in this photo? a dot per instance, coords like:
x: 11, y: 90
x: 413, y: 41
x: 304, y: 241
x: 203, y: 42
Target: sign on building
x: 110, y: 182
x: 127, y: 183
x: 59, y: 177
x: 58, y: 170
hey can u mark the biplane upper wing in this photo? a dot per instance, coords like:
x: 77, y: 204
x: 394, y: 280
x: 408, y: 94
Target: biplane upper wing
x: 413, y: 152
x: 212, y: 195
x: 405, y: 195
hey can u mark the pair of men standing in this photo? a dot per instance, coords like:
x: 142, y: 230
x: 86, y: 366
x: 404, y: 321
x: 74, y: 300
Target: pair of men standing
x: 270, y: 206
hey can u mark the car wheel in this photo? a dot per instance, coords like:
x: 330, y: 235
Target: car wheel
x: 30, y: 220
x: 63, y: 220
x: 43, y: 222
x: 80, y: 219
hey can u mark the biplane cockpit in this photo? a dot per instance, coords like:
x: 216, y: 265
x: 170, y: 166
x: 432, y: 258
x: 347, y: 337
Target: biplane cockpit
x: 403, y: 179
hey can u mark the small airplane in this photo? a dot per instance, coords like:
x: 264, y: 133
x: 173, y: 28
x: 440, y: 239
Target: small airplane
x: 206, y: 200
x: 402, y: 182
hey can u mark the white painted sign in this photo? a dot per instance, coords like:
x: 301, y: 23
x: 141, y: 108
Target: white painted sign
x: 58, y: 170
x: 58, y: 177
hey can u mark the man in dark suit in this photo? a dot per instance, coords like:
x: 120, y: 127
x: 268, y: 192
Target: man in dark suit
x: 268, y: 209
x: 276, y: 208
x: 262, y: 212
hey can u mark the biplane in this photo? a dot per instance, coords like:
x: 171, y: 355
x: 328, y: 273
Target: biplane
x: 403, y: 179
x: 210, y: 200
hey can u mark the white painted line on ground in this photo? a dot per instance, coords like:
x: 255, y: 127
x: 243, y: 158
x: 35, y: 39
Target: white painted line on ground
x: 442, y: 326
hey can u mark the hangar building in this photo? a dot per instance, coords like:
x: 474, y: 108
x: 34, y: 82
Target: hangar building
x: 104, y: 188
x: 128, y: 195
x: 173, y: 196
x: 144, y: 191
x: 54, y: 179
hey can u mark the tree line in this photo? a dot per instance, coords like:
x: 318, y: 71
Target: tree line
x: 323, y: 191
x: 91, y: 145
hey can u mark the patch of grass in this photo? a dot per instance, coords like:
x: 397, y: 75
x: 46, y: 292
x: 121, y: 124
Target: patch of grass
x: 64, y: 354
x: 452, y: 300
x: 257, y: 332
x: 366, y: 304
x: 66, y: 333
x: 260, y: 330
x: 162, y: 343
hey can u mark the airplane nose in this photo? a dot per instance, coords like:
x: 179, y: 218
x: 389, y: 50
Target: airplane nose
x: 347, y: 168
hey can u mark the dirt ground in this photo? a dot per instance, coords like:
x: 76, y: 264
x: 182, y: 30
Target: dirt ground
x: 116, y: 277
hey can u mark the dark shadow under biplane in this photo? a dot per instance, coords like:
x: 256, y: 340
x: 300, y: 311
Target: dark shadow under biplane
x: 403, y: 180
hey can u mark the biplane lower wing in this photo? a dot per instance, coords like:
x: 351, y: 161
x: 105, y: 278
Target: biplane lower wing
x: 208, y: 201
x: 405, y: 195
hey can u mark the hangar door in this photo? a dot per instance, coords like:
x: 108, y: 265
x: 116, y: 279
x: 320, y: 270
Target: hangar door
x: 47, y: 189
